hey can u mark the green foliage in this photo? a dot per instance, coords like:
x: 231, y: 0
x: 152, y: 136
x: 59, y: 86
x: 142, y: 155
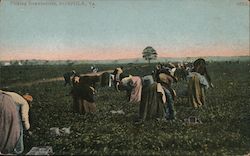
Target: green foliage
x: 28, y: 73
x: 225, y: 128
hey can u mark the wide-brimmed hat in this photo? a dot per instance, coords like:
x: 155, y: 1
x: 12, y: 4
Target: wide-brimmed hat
x: 170, y: 72
x: 199, y: 61
x: 167, y: 78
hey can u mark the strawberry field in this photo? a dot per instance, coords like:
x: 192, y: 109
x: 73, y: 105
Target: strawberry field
x: 224, y: 128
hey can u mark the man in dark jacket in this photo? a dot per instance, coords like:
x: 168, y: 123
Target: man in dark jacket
x: 67, y: 77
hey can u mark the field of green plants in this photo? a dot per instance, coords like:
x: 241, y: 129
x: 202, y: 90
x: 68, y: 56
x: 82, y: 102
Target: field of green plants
x: 225, y: 118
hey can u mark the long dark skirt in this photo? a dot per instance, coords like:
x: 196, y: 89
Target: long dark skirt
x: 105, y: 78
x: 82, y: 106
x: 83, y: 98
x: 151, y: 105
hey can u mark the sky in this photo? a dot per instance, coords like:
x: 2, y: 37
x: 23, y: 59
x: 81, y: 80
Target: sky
x: 121, y: 29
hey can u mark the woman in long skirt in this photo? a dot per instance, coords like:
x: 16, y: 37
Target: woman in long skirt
x: 134, y: 83
x: 9, y: 125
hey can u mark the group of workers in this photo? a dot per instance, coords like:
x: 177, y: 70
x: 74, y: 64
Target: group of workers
x: 154, y: 93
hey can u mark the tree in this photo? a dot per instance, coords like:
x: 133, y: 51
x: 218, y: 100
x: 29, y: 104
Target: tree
x: 149, y: 54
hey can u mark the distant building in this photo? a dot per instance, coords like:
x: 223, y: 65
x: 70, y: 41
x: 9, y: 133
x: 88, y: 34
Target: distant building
x: 19, y: 63
x: 6, y: 64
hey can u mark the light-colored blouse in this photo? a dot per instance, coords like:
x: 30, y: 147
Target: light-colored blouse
x: 19, y: 100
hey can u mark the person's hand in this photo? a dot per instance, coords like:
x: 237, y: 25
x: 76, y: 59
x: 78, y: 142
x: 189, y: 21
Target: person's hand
x: 29, y: 133
x: 211, y: 85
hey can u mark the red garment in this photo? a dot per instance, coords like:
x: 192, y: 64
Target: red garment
x: 136, y: 91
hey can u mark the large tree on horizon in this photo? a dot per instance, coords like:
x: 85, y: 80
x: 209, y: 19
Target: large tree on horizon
x: 149, y: 53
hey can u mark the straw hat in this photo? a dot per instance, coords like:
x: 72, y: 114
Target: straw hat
x: 170, y: 72
x: 165, y: 78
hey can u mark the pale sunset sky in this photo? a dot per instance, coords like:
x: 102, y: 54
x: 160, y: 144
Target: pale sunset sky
x: 120, y: 29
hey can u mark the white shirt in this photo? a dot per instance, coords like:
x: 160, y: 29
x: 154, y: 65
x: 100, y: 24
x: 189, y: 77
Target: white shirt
x: 19, y: 100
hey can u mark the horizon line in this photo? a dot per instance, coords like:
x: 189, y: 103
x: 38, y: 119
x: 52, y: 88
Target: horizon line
x: 134, y: 58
